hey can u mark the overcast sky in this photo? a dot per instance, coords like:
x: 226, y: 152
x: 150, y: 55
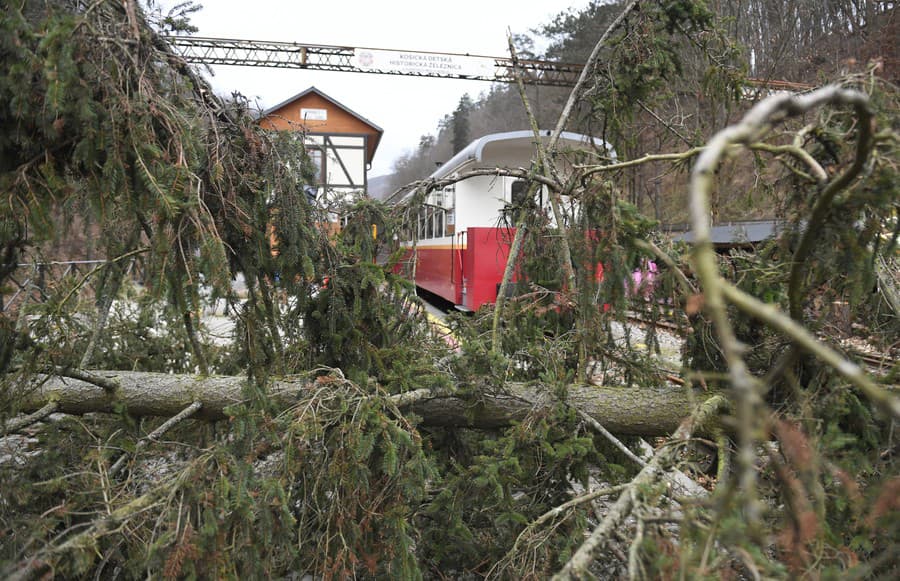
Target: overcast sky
x: 404, y: 107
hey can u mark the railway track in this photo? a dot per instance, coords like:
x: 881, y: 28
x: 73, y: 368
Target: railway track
x: 874, y: 363
x: 663, y: 323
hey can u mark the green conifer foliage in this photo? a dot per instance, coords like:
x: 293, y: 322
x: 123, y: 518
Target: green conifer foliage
x: 100, y: 123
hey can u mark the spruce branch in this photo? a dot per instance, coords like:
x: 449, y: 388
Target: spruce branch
x: 578, y: 564
x: 20, y: 423
x: 37, y: 566
x: 426, y: 186
x: 165, y: 427
x: 529, y: 535
x: 589, y: 170
x: 105, y: 300
x: 109, y: 384
x: 818, y: 173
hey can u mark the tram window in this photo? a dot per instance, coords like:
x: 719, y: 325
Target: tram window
x: 438, y: 223
x: 517, y: 193
x: 449, y: 197
x: 429, y: 224
x: 449, y: 210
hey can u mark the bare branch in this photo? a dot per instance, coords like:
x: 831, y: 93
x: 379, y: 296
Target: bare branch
x: 586, y: 72
x: 108, y: 385
x: 20, y: 423
x: 853, y: 373
x: 598, y: 427
x: 165, y: 427
x: 577, y: 566
x: 750, y: 129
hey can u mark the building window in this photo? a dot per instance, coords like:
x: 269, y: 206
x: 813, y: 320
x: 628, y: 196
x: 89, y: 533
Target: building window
x: 318, y: 160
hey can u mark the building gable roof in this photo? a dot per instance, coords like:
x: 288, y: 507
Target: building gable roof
x: 375, y: 131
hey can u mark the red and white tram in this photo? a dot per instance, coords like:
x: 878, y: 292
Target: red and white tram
x: 462, y: 245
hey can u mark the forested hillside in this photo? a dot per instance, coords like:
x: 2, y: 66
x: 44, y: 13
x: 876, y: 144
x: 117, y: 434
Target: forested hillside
x: 670, y: 87
x: 735, y: 419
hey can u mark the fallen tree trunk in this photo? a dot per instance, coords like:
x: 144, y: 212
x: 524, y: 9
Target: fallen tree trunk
x: 622, y: 410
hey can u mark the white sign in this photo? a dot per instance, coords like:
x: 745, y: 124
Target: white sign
x: 314, y: 114
x: 424, y: 63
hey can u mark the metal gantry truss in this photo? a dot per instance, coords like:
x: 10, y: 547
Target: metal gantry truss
x: 290, y: 55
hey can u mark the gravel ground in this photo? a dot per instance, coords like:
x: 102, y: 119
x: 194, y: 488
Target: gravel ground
x: 669, y: 343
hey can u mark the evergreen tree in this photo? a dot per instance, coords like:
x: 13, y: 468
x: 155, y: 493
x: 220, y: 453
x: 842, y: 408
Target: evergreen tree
x: 459, y: 123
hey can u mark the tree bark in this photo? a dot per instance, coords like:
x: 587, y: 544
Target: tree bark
x: 623, y: 410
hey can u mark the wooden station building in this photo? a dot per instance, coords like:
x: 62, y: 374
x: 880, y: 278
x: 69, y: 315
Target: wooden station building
x: 340, y: 141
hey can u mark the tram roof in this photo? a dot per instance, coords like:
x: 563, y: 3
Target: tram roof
x: 475, y: 151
